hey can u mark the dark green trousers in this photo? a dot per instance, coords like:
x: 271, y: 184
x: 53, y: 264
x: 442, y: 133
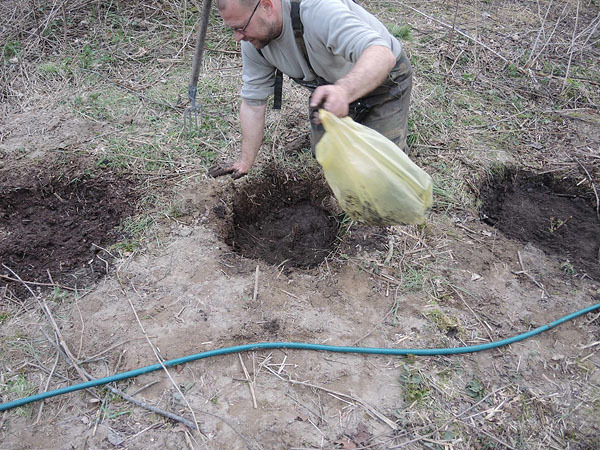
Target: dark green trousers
x: 385, y: 109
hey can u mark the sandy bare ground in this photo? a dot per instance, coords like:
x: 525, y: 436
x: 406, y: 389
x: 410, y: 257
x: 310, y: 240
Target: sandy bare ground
x: 170, y: 285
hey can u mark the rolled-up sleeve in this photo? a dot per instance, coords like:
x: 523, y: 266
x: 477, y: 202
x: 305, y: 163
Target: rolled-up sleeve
x: 258, y: 76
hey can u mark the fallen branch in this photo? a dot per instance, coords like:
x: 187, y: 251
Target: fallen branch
x: 64, y: 350
x: 188, y: 423
x: 160, y: 361
x: 34, y: 283
x: 369, y: 409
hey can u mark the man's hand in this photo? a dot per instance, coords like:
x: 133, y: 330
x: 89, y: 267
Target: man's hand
x: 371, y: 69
x: 331, y: 97
x: 237, y: 170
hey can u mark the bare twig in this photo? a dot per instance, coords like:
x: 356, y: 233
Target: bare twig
x: 34, y: 283
x: 537, y: 38
x: 560, y: 17
x: 84, y: 375
x: 448, y: 422
x: 564, y: 86
x: 196, y: 427
x: 144, y: 387
x: 473, y: 312
x: 82, y: 326
x: 2, y: 419
x: 491, y: 436
x: 368, y: 408
x: 462, y: 33
x: 250, y: 382
x: 88, y: 377
x: 593, y: 186
x: 191, y: 425
x: 255, y: 295
x: 37, y: 420
x: 528, y: 275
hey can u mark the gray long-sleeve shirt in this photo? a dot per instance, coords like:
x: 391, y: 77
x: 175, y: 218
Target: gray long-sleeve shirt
x: 336, y: 33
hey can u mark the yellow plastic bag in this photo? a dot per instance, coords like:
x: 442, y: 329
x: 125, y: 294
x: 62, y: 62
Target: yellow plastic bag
x: 371, y: 177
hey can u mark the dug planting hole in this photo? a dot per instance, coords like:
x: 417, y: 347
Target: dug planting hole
x: 281, y: 220
x: 556, y: 214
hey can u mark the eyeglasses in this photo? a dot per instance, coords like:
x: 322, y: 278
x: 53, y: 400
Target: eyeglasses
x: 242, y: 29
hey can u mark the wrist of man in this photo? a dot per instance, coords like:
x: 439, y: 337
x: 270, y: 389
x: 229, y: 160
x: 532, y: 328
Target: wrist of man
x: 346, y: 89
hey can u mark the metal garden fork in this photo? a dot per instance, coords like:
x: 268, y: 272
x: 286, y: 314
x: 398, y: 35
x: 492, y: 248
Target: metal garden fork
x: 191, y: 112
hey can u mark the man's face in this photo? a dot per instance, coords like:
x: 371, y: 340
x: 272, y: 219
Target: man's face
x: 252, y: 24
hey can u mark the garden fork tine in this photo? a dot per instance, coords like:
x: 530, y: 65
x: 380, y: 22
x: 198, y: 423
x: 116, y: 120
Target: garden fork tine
x: 191, y: 111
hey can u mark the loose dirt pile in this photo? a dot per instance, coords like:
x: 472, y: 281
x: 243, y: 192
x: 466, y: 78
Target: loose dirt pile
x: 557, y: 215
x: 54, y: 230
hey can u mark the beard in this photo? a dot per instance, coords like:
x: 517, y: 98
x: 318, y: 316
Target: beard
x: 272, y: 32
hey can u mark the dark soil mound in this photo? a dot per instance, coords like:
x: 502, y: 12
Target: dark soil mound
x: 53, y: 231
x: 553, y: 213
x: 281, y: 220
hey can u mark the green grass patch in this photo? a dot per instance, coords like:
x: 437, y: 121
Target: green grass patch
x: 415, y: 388
x: 445, y: 323
x: 400, y: 31
x: 18, y: 387
x: 10, y: 49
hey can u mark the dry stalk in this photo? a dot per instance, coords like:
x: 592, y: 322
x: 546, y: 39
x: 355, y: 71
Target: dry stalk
x: 368, y: 408
x: 34, y: 283
x: 451, y: 27
x: 593, y: 27
x: 593, y: 186
x: 63, y: 349
x: 560, y: 18
x: 2, y: 420
x: 564, y: 86
x: 542, y: 29
x: 491, y: 436
x: 37, y: 420
x: 249, y: 381
x: 255, y: 295
x: 528, y: 275
x: 448, y: 422
x: 159, y: 359
x: 473, y: 312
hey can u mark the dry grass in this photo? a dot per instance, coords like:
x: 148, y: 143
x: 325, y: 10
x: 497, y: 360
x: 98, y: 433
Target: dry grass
x: 496, y: 83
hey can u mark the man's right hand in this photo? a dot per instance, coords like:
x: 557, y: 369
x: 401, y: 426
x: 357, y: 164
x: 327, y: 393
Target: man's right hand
x: 237, y: 170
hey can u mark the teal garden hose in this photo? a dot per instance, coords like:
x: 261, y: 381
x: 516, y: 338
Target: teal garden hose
x: 298, y: 346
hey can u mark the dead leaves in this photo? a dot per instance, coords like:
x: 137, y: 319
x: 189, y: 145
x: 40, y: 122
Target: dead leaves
x: 361, y: 438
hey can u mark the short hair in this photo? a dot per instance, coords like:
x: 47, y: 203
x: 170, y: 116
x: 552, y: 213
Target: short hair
x: 222, y: 4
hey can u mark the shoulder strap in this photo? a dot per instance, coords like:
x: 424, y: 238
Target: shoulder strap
x: 299, y: 35
x: 278, y: 87
x: 298, y: 29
